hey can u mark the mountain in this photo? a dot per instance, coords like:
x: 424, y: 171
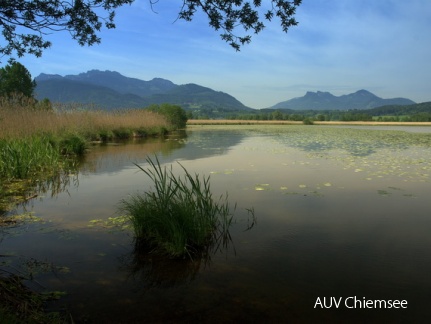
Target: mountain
x: 67, y: 91
x: 111, y: 90
x: 361, y: 99
x: 122, y: 84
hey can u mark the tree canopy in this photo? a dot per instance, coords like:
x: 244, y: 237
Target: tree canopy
x: 16, y: 79
x: 25, y: 23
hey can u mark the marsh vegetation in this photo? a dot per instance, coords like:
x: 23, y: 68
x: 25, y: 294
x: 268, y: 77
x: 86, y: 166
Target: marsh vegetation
x: 179, y: 216
x: 37, y: 144
x: 40, y: 151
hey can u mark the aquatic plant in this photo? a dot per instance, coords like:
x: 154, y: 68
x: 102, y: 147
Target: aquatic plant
x: 179, y: 217
x: 24, y: 158
x: 72, y: 144
x: 19, y: 304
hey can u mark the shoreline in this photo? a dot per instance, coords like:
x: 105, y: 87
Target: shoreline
x: 291, y: 122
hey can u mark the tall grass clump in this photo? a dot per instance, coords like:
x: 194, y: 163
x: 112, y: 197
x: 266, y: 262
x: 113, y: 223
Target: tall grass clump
x: 27, y: 157
x: 179, y: 217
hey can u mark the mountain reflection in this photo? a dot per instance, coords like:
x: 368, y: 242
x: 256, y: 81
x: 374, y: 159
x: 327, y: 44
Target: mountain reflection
x: 114, y: 157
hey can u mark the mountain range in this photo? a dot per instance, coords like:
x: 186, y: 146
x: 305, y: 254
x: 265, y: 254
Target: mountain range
x: 111, y: 90
x: 319, y: 100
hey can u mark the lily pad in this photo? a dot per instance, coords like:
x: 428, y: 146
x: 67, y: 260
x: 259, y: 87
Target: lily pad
x: 262, y: 186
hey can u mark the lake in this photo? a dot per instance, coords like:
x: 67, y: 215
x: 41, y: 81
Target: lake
x: 342, y: 212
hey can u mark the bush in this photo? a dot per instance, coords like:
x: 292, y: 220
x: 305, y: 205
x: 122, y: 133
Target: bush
x: 175, y: 115
x: 123, y: 133
x: 180, y: 217
x: 72, y: 145
x: 44, y: 104
x: 307, y: 121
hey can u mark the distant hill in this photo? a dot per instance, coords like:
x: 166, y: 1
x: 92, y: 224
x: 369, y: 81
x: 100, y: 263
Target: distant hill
x: 396, y: 110
x: 111, y: 90
x: 361, y: 99
x: 67, y: 91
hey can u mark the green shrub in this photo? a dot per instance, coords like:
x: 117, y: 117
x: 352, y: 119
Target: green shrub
x: 307, y: 121
x: 122, y: 133
x: 72, y: 145
x: 175, y: 115
x: 180, y: 217
x: 106, y: 135
x: 44, y: 104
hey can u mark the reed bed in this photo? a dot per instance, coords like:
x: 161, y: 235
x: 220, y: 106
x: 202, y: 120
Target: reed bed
x: 38, y: 142
x: 179, y: 217
x: 33, y: 141
x: 20, y: 122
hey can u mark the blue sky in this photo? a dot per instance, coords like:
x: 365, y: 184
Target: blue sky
x: 339, y: 46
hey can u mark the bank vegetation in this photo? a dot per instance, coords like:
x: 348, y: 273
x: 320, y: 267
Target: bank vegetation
x: 38, y: 142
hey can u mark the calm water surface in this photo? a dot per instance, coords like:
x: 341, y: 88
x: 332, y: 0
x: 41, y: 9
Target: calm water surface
x: 341, y: 212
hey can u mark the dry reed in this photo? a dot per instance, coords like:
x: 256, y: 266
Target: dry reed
x: 20, y: 121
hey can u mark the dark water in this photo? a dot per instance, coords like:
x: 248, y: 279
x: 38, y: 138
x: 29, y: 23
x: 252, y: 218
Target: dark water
x: 340, y: 213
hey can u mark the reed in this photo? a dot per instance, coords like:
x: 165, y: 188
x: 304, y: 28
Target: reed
x: 25, y: 121
x: 27, y: 157
x: 35, y: 141
x: 179, y: 217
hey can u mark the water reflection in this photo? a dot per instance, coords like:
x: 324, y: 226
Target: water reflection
x: 24, y: 191
x: 152, y: 270
x: 207, y: 143
x: 110, y: 158
x: 335, y: 219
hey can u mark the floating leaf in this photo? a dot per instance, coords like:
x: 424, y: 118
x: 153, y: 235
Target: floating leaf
x: 94, y: 221
x: 262, y: 186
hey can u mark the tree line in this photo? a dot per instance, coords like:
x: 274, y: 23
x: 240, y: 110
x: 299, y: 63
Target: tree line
x: 411, y: 113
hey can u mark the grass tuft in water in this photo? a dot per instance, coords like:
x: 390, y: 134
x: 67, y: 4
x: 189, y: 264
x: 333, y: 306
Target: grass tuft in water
x: 179, y: 217
x: 23, y: 158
